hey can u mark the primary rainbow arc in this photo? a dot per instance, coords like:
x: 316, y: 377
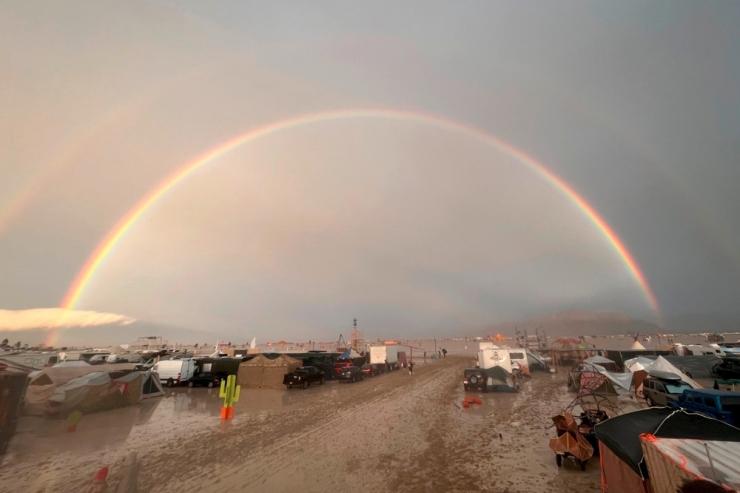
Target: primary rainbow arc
x: 106, y: 246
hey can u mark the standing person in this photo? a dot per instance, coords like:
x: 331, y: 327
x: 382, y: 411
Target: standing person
x: 387, y: 366
x: 425, y: 355
x: 440, y: 354
x: 411, y: 367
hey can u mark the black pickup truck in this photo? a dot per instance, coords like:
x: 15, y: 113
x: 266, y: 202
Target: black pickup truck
x: 303, y: 377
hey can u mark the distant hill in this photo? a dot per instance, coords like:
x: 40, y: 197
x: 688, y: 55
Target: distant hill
x: 703, y: 322
x: 105, y: 335
x: 576, y: 323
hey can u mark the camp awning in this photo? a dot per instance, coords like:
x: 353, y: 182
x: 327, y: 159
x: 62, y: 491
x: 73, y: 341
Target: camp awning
x: 658, y: 364
x: 598, y: 360
x: 673, y: 461
x: 350, y: 354
x: 621, y: 434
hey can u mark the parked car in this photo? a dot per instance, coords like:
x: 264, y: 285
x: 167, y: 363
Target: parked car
x: 303, y: 377
x: 728, y: 368
x: 720, y: 404
x: 660, y: 388
x: 351, y: 374
x: 205, y: 378
x: 475, y: 379
x: 371, y: 370
x: 338, y: 365
x: 496, y: 379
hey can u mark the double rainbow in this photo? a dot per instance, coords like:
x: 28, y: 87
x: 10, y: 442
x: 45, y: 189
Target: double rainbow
x: 106, y: 246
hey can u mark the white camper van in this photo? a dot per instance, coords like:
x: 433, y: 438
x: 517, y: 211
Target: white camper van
x: 175, y: 371
x: 488, y: 358
x: 508, y: 359
x: 698, y: 350
x: 380, y: 354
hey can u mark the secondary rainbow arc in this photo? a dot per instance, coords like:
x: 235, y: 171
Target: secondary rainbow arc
x: 106, y: 246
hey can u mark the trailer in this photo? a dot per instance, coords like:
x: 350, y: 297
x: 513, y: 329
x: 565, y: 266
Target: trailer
x: 380, y: 355
x: 222, y: 367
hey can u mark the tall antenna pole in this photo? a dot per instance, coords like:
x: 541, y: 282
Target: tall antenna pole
x: 357, y: 337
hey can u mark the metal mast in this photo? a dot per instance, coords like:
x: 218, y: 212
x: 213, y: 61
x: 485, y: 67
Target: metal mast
x: 358, y: 340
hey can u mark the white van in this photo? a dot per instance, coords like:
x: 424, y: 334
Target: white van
x: 175, y: 372
x: 519, y: 357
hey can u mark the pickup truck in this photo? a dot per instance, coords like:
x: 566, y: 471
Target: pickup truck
x: 303, y: 377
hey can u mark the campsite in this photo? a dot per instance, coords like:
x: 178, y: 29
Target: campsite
x: 549, y: 429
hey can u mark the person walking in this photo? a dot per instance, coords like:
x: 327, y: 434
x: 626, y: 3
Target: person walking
x: 411, y: 367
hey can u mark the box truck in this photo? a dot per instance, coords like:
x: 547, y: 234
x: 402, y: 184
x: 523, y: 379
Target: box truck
x: 379, y: 355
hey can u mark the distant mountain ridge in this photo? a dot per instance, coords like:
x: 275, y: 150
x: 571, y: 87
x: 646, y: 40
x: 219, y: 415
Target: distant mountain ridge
x: 105, y: 335
x: 575, y: 323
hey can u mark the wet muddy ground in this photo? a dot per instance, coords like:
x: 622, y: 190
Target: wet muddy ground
x: 394, y: 432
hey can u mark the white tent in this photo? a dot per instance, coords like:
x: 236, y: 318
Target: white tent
x: 658, y: 364
x: 636, y: 346
x: 623, y: 380
x: 598, y: 360
x: 150, y: 385
x: 67, y: 364
x: 638, y: 363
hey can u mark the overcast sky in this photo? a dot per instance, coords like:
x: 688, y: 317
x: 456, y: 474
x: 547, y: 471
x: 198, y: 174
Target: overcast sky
x: 406, y: 226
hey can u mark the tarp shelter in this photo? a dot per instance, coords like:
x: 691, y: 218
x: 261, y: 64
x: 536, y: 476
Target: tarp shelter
x: 641, y: 367
x: 622, y: 466
x: 13, y: 383
x: 150, y: 385
x: 606, y: 363
x: 673, y: 462
x: 53, y: 390
x: 350, y: 354
x: 499, y: 379
x: 95, y: 392
x: 592, y: 376
x: 261, y: 371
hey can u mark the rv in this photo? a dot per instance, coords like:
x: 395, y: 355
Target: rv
x: 490, y: 357
x: 698, y: 350
x: 92, y: 356
x: 35, y: 360
x: 508, y: 359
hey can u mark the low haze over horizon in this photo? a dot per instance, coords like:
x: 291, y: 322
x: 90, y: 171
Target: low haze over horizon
x: 427, y: 167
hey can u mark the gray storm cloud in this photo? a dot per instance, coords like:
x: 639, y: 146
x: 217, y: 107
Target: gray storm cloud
x: 633, y: 104
x: 57, y: 318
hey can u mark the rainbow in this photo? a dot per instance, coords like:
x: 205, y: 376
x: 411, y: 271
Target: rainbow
x: 106, y: 246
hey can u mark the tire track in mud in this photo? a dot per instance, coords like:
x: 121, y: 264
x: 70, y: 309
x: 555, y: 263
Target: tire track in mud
x: 287, y: 453
x: 260, y: 458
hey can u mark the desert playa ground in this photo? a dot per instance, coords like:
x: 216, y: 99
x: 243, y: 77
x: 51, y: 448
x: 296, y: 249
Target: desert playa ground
x: 394, y: 432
